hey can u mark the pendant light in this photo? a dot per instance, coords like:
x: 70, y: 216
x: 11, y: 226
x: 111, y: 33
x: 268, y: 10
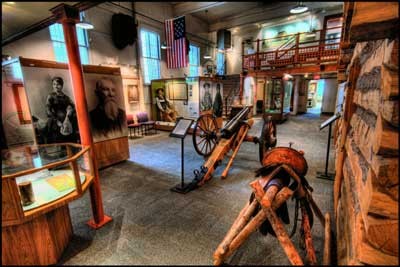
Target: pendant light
x: 84, y: 24
x: 207, y: 54
x: 299, y: 8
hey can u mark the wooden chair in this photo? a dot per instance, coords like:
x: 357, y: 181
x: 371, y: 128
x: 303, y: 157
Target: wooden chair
x: 143, y: 120
x: 132, y: 125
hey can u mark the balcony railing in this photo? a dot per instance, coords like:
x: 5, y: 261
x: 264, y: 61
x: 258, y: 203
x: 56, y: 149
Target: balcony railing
x: 293, y: 50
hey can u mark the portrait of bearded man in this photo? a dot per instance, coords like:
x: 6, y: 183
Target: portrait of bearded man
x: 107, y: 119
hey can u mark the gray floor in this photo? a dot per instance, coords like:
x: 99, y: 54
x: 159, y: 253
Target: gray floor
x: 154, y: 226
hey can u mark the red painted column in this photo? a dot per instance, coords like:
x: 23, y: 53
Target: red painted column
x: 75, y: 69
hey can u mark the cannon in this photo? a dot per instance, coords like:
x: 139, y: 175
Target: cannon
x: 282, y: 177
x: 214, y: 144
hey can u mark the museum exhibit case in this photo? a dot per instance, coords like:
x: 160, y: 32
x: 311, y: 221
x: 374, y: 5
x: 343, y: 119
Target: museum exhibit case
x: 41, y: 107
x: 277, y: 94
x: 38, y: 182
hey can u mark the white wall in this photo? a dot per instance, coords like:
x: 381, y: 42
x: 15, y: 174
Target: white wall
x: 102, y: 50
x: 330, y: 93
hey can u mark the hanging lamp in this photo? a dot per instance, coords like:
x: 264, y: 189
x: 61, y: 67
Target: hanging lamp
x: 299, y: 8
x: 207, y: 54
x: 84, y: 24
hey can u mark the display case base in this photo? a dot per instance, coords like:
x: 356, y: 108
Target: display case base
x: 40, y: 241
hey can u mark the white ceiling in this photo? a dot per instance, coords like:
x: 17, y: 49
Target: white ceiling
x: 17, y: 16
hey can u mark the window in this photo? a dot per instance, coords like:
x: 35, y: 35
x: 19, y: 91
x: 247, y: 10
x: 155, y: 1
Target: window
x: 151, y: 55
x: 220, y: 63
x: 194, y: 62
x: 60, y: 50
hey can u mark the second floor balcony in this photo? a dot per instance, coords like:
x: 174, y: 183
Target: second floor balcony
x: 300, y: 49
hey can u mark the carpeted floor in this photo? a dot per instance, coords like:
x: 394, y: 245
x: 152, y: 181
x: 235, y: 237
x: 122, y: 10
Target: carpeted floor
x: 153, y: 226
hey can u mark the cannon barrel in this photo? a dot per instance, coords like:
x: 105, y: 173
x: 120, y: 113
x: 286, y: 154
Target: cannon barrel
x: 234, y: 124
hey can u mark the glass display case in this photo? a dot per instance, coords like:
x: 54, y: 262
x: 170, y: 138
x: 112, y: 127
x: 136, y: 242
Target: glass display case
x: 277, y: 98
x: 38, y: 182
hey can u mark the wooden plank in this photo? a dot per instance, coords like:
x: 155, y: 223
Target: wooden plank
x: 379, y: 24
x: 10, y: 201
x: 369, y: 100
x: 383, y: 234
x: 327, y: 242
x: 386, y: 141
x: 390, y: 81
x: 111, y: 151
x: 367, y: 254
x: 390, y: 112
x: 37, y: 242
x: 366, y: 190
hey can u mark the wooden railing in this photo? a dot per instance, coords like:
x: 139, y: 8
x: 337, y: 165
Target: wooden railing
x: 293, y: 52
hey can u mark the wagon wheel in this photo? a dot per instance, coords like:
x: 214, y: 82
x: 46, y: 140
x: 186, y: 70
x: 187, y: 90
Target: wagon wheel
x: 205, y: 135
x: 268, y: 136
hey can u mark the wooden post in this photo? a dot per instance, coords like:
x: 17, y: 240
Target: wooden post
x: 347, y: 113
x: 296, y: 51
x: 68, y: 16
x: 327, y: 242
x: 305, y: 223
x: 257, y: 66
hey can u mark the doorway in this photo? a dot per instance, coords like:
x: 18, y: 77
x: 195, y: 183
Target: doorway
x: 315, y: 95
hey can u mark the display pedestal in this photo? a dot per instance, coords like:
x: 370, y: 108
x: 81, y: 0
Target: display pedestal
x: 40, y: 241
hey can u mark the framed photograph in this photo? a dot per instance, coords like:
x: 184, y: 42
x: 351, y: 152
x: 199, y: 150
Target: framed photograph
x: 178, y: 91
x: 133, y: 93
x: 106, y: 111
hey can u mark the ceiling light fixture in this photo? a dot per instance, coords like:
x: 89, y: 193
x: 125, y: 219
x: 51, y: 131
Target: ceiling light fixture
x: 164, y: 45
x: 207, y: 54
x: 299, y: 8
x: 84, y: 24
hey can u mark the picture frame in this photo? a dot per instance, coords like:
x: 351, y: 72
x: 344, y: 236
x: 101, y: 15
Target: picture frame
x: 133, y: 93
x: 178, y: 91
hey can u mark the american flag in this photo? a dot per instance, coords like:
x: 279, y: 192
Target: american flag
x: 176, y: 42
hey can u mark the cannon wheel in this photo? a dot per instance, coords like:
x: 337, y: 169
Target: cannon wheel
x: 205, y: 135
x: 268, y: 136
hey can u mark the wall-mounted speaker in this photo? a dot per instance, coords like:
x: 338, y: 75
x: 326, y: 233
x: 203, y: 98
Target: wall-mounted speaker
x: 123, y: 29
x: 223, y: 39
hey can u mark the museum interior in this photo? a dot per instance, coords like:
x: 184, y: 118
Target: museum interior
x: 200, y: 133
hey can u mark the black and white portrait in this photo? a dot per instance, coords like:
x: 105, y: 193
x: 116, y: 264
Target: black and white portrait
x: 205, y: 96
x: 104, y: 95
x: 52, y: 106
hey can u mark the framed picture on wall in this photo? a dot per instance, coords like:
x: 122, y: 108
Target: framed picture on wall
x: 133, y: 93
x: 178, y: 91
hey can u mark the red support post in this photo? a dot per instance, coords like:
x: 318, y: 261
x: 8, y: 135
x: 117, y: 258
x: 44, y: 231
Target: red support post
x: 68, y: 17
x: 257, y: 64
x: 296, y: 51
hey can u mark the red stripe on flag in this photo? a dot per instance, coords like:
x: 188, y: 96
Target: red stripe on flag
x: 176, y: 51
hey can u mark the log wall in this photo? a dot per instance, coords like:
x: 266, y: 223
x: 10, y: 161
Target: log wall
x: 367, y: 178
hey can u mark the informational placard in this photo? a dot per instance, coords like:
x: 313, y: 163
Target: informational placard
x: 329, y: 121
x: 181, y: 128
